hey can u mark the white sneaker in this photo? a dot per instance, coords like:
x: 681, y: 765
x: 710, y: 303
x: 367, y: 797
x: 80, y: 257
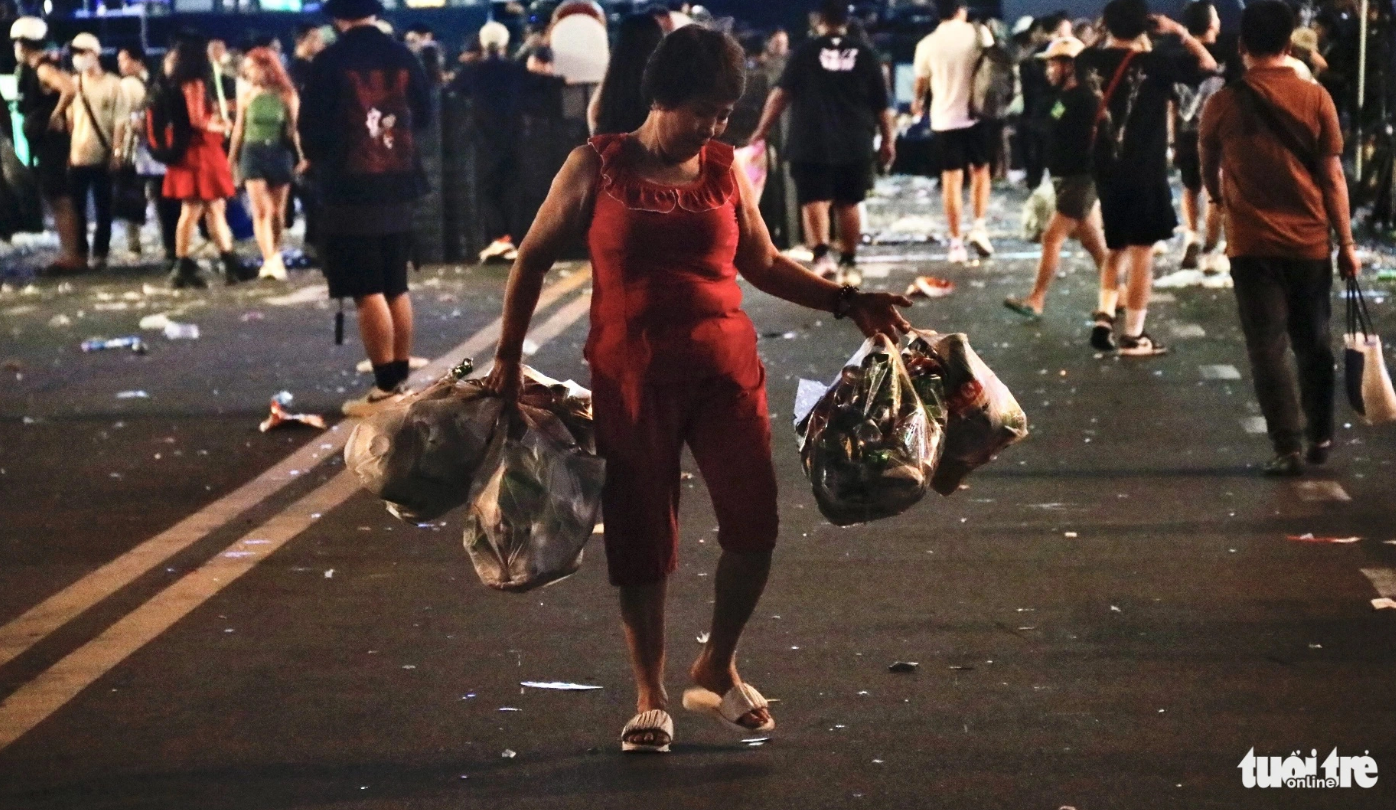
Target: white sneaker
x: 979, y: 240
x: 825, y: 266
x: 273, y: 268
x: 374, y: 401
x: 958, y: 254
x: 499, y: 250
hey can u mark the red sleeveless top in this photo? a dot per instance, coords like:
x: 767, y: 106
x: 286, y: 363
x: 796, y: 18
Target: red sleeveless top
x: 665, y: 304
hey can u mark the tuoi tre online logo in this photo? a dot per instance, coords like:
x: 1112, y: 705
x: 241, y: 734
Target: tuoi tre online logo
x: 1294, y: 772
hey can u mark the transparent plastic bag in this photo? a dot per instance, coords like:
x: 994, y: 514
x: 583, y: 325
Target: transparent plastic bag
x: 981, y: 417
x: 868, y: 446
x: 422, y: 455
x: 536, y: 498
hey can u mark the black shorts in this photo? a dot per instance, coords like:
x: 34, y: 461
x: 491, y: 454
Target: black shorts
x: 357, y: 266
x: 1188, y: 160
x: 270, y: 162
x: 967, y: 148
x: 1136, y: 214
x: 840, y: 183
x: 1075, y: 195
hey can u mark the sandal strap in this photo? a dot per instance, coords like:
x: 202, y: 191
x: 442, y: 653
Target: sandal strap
x: 652, y: 720
x: 740, y: 701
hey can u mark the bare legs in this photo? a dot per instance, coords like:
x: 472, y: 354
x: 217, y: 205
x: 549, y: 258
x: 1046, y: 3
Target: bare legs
x: 385, y: 327
x: 214, y: 215
x: 952, y: 186
x: 850, y: 222
x: 642, y: 612
x: 815, y: 217
x: 268, y: 216
x: 1088, y: 231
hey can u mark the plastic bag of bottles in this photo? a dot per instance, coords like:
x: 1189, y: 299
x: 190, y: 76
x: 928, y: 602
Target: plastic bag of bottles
x: 868, y: 445
x: 421, y: 455
x: 536, y: 497
x: 980, y: 415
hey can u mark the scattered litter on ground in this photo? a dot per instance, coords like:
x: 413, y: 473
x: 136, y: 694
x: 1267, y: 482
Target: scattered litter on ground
x: 156, y: 322
x: 132, y: 395
x: 930, y: 287
x: 961, y: 668
x: 600, y: 529
x: 60, y: 321
x: 132, y: 342
x: 280, y: 416
x: 1309, y: 537
x: 560, y: 686
x: 755, y: 742
x: 508, y: 753
x: 254, y: 315
x: 1070, y: 535
x: 1193, y: 278
x: 703, y: 638
x: 329, y: 574
x: 903, y: 666
x: 1384, y: 603
x: 305, y: 295
x: 1115, y: 609
x: 181, y: 331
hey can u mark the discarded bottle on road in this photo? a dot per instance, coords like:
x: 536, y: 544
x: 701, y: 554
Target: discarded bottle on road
x: 181, y: 331
x: 133, y: 342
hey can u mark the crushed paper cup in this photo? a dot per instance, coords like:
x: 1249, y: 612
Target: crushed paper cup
x: 930, y: 287
x: 280, y: 416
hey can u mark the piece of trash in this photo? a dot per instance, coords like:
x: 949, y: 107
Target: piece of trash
x: 903, y: 666
x: 254, y: 315
x: 155, y: 323
x: 530, y: 347
x: 961, y: 668
x: 60, y: 321
x: 509, y: 709
x: 703, y: 638
x: 329, y: 574
x: 1315, y: 646
x: 1114, y: 609
x: 132, y: 395
x: 508, y: 753
x: 930, y: 287
x: 560, y: 686
x: 1309, y: 537
x: 280, y: 416
x: 755, y: 742
x: 1070, y: 535
x: 181, y: 331
x: 132, y: 342
x: 1384, y: 603
x: 600, y: 529
x: 687, y: 476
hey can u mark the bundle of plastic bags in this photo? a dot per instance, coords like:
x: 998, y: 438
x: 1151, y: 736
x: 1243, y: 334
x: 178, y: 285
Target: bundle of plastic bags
x: 980, y: 415
x: 899, y: 422
x: 868, y: 445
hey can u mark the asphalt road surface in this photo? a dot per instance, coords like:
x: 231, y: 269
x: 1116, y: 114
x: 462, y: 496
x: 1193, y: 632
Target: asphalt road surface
x: 194, y: 614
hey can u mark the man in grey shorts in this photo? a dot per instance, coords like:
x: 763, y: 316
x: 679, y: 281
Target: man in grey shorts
x: 1069, y: 161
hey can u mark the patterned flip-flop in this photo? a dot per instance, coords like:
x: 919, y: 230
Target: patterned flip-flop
x: 739, y: 701
x: 1022, y: 308
x: 652, y: 720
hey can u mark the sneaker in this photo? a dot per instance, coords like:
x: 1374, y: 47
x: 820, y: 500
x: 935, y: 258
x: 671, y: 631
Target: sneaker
x: 1103, y: 333
x: 979, y: 240
x: 824, y: 266
x: 497, y: 250
x: 1142, y: 346
x: 374, y: 401
x: 1190, y: 255
x: 1284, y: 465
x: 1318, y: 453
x: 958, y: 254
x: 273, y: 268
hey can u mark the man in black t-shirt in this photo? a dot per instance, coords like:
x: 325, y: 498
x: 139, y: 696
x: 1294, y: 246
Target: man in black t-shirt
x: 1130, y: 158
x: 838, y: 99
x: 1192, y: 93
x: 1069, y: 118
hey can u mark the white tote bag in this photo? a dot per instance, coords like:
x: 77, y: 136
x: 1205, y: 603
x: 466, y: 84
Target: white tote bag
x: 1366, y: 378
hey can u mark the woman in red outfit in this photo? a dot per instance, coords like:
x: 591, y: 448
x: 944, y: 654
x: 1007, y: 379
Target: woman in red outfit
x: 201, y: 179
x: 669, y: 224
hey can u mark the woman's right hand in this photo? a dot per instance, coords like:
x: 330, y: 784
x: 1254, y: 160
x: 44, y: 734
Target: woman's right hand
x: 876, y: 314
x: 505, y: 379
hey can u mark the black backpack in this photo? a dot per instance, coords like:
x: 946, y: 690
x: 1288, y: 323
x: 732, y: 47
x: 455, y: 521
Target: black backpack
x: 167, y: 126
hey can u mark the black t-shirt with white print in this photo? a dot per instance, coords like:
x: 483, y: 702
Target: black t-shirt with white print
x: 1132, y: 138
x: 836, y: 94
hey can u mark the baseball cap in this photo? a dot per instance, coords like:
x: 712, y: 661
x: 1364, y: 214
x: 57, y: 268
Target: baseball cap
x: 86, y: 42
x: 494, y: 35
x: 30, y: 28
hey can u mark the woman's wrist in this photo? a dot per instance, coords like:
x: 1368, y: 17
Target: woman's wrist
x: 844, y: 300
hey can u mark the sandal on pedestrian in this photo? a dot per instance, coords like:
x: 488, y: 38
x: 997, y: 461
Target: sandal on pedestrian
x: 740, y: 700
x: 654, y: 721
x: 1022, y: 308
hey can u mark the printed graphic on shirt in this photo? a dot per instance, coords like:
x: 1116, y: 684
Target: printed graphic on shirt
x: 1190, y: 100
x: 838, y: 60
x: 382, y: 138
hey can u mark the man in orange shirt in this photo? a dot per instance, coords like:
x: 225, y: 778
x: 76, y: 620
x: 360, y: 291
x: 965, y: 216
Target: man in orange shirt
x: 1271, y: 151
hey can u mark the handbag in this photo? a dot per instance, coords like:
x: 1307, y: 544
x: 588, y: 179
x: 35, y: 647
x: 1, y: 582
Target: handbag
x: 1365, y: 375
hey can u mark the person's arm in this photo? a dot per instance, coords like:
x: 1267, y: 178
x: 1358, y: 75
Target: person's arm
x: 921, y: 67
x: 1334, y: 185
x: 776, y: 103
x: 881, y: 103
x: 235, y: 148
x: 887, y: 153
x: 563, y: 218
x: 60, y: 82
x: 1205, y: 62
x: 770, y: 272
x: 1209, y: 148
x: 293, y: 110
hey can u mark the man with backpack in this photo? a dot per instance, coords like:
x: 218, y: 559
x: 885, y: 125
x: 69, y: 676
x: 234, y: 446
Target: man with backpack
x: 946, y: 64
x: 365, y: 101
x: 1271, y: 155
x: 1130, y: 158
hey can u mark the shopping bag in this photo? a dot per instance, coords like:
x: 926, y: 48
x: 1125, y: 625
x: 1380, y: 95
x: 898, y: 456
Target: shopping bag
x: 1365, y: 375
x: 867, y: 444
x: 1038, y: 210
x: 536, y: 497
x: 752, y: 160
x: 421, y: 455
x: 981, y: 416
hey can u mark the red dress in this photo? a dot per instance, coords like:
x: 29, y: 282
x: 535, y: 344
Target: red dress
x: 202, y: 174
x: 673, y: 361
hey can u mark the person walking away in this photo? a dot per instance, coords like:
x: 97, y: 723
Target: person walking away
x: 266, y: 151
x: 1039, y: 96
x: 1202, y: 21
x: 944, y: 66
x: 1130, y: 159
x: 617, y: 105
x: 670, y: 222
x: 200, y: 179
x: 45, y: 92
x: 1068, y: 158
x: 1271, y: 155
x: 366, y: 99
x: 134, y: 151
x: 838, y: 100
x: 494, y: 85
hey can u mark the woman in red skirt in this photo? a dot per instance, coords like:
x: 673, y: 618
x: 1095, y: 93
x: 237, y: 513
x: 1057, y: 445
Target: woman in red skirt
x: 201, y: 179
x: 669, y: 224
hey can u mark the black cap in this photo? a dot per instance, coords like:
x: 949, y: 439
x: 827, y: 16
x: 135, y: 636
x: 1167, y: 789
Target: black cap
x: 352, y: 9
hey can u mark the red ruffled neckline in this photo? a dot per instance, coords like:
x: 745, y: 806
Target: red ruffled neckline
x: 713, y: 188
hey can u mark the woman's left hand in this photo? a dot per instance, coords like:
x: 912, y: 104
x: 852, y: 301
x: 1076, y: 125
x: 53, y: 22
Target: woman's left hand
x: 876, y: 314
x: 302, y: 167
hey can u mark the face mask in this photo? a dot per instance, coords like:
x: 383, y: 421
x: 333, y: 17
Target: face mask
x: 84, y: 62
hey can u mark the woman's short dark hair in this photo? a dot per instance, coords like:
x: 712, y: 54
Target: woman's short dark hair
x: 695, y: 62
x: 1266, y: 26
x: 1197, y: 17
x: 1126, y: 19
